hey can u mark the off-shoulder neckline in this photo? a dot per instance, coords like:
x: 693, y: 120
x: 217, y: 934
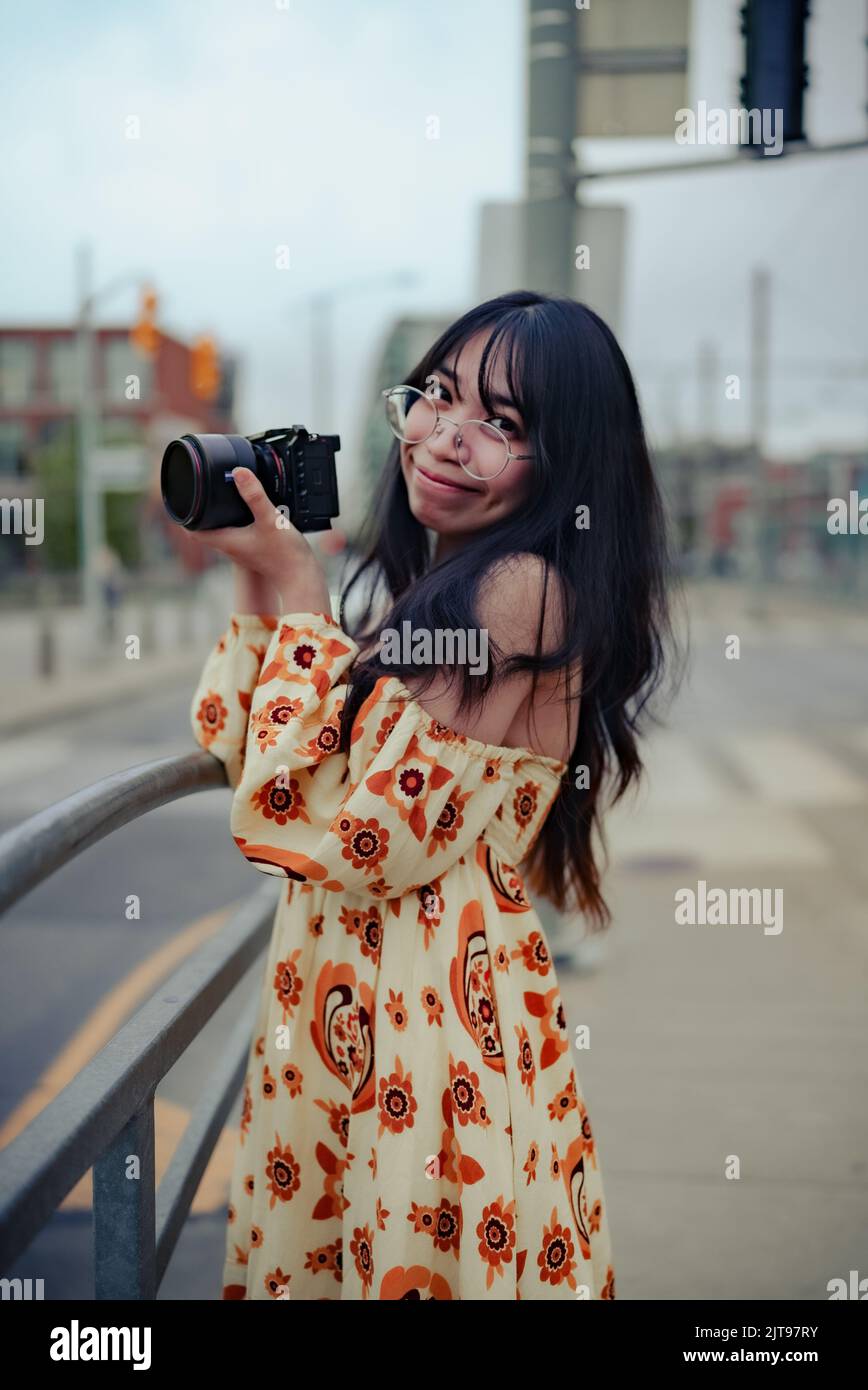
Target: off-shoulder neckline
x: 505, y: 752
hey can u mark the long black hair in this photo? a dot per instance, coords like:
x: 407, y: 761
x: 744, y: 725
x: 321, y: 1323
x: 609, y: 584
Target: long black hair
x: 573, y: 387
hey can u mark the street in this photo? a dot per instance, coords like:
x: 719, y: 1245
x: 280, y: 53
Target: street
x: 707, y: 1043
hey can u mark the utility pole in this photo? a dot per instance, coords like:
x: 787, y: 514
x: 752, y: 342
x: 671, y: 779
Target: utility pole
x: 709, y: 387
x: 551, y: 214
x: 760, y: 333
x: 90, y: 515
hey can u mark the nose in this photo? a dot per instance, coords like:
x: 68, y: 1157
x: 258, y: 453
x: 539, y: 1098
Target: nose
x: 441, y: 444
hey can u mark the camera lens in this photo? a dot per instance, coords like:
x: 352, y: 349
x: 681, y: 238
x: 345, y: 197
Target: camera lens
x: 180, y: 473
x: 196, y: 480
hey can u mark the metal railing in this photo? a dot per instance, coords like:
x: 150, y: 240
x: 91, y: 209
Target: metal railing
x: 106, y: 1113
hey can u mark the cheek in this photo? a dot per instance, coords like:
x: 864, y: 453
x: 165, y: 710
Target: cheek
x: 511, y: 489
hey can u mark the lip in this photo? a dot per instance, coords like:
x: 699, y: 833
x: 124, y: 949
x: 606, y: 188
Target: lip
x: 442, y: 486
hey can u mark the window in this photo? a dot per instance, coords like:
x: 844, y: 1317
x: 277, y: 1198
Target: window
x: 63, y: 370
x: 120, y: 360
x: 17, y: 370
x: 12, y: 447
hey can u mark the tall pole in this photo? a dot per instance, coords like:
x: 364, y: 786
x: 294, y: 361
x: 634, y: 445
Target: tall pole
x: 323, y: 360
x: 760, y: 333
x: 90, y: 519
x: 550, y: 212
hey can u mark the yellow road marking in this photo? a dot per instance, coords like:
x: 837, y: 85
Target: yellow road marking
x: 99, y: 1027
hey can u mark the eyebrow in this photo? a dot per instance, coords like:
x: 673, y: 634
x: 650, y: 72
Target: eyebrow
x: 495, y: 400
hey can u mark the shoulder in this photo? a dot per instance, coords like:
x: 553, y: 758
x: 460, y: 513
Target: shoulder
x: 514, y: 594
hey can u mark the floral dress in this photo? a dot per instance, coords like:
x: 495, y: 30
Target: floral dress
x: 412, y: 1126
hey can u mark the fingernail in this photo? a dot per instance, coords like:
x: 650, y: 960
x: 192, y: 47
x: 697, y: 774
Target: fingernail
x: 240, y: 477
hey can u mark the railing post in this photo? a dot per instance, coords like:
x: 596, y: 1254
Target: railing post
x: 124, y: 1212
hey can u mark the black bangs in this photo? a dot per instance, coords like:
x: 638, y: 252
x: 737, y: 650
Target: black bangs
x: 509, y: 321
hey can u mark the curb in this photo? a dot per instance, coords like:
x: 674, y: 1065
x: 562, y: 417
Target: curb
x: 30, y: 705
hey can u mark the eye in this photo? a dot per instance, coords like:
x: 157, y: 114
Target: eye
x: 508, y: 426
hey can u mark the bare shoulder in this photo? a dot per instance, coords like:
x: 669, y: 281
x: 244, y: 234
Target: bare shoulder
x: 512, y: 596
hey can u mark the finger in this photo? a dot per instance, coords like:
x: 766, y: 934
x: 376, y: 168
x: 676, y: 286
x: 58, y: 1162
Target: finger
x: 254, y: 494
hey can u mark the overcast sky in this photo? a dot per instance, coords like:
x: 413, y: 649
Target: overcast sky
x: 305, y: 125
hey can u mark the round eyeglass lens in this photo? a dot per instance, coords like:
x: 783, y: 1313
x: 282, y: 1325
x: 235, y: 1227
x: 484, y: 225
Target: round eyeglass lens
x: 482, y: 450
x: 411, y: 414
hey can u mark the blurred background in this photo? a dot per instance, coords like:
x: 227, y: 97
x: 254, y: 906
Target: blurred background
x: 223, y: 217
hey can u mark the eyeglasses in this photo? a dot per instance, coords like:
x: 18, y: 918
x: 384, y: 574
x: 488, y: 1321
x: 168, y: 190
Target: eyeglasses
x: 481, y: 448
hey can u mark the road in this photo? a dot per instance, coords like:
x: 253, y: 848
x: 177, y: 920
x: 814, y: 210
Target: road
x: 707, y: 1043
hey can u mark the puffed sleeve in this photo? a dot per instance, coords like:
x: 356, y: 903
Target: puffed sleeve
x: 220, y: 710
x: 410, y: 798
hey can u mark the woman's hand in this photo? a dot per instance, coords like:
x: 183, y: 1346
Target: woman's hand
x: 271, y: 548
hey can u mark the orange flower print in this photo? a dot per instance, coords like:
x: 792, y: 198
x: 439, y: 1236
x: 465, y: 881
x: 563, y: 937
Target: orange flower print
x: 500, y: 958
x: 565, y: 1100
x: 442, y: 1223
x: 531, y: 1162
x: 526, y: 1064
x: 555, y: 1259
x: 325, y: 1259
x: 280, y: 803
x: 608, y: 1289
x: 416, y: 1283
x: 212, y: 715
x: 267, y: 722
x: 372, y: 1163
x: 292, y: 1079
x: 524, y: 803
x: 282, y: 1172
x: 449, y: 822
x: 332, y: 1203
x: 315, y: 924
x: 406, y: 785
x: 468, y: 1102
x: 595, y: 1217
x: 288, y: 984
x: 433, y: 1006
x: 326, y: 739
x: 431, y: 909
x: 269, y: 1087
x: 256, y: 1237
x: 555, y: 1165
x: 366, y: 842
x: 339, y: 1119
x: 361, y: 1247
x: 549, y: 1009
x: 382, y: 1215
x: 365, y: 924
x: 248, y: 1185
x: 277, y: 1283
x: 305, y: 658
x: 496, y: 1233
x: 534, y: 954
x: 396, y: 1010
x: 397, y: 1102
x: 246, y: 1109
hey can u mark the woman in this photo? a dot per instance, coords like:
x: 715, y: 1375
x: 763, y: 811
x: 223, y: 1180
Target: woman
x: 412, y: 1123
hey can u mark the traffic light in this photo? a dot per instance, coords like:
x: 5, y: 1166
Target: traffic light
x: 775, y: 73
x: 145, y: 335
x: 204, y: 369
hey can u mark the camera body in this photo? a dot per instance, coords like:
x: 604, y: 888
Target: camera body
x: 295, y: 466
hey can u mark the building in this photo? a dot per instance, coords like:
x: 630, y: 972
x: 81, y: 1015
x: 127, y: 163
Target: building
x: 142, y: 402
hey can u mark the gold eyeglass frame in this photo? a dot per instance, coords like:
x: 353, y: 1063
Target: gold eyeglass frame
x: 439, y: 418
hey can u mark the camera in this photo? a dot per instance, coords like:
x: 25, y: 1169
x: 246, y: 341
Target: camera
x: 295, y: 466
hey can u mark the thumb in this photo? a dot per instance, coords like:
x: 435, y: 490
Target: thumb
x: 253, y: 493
